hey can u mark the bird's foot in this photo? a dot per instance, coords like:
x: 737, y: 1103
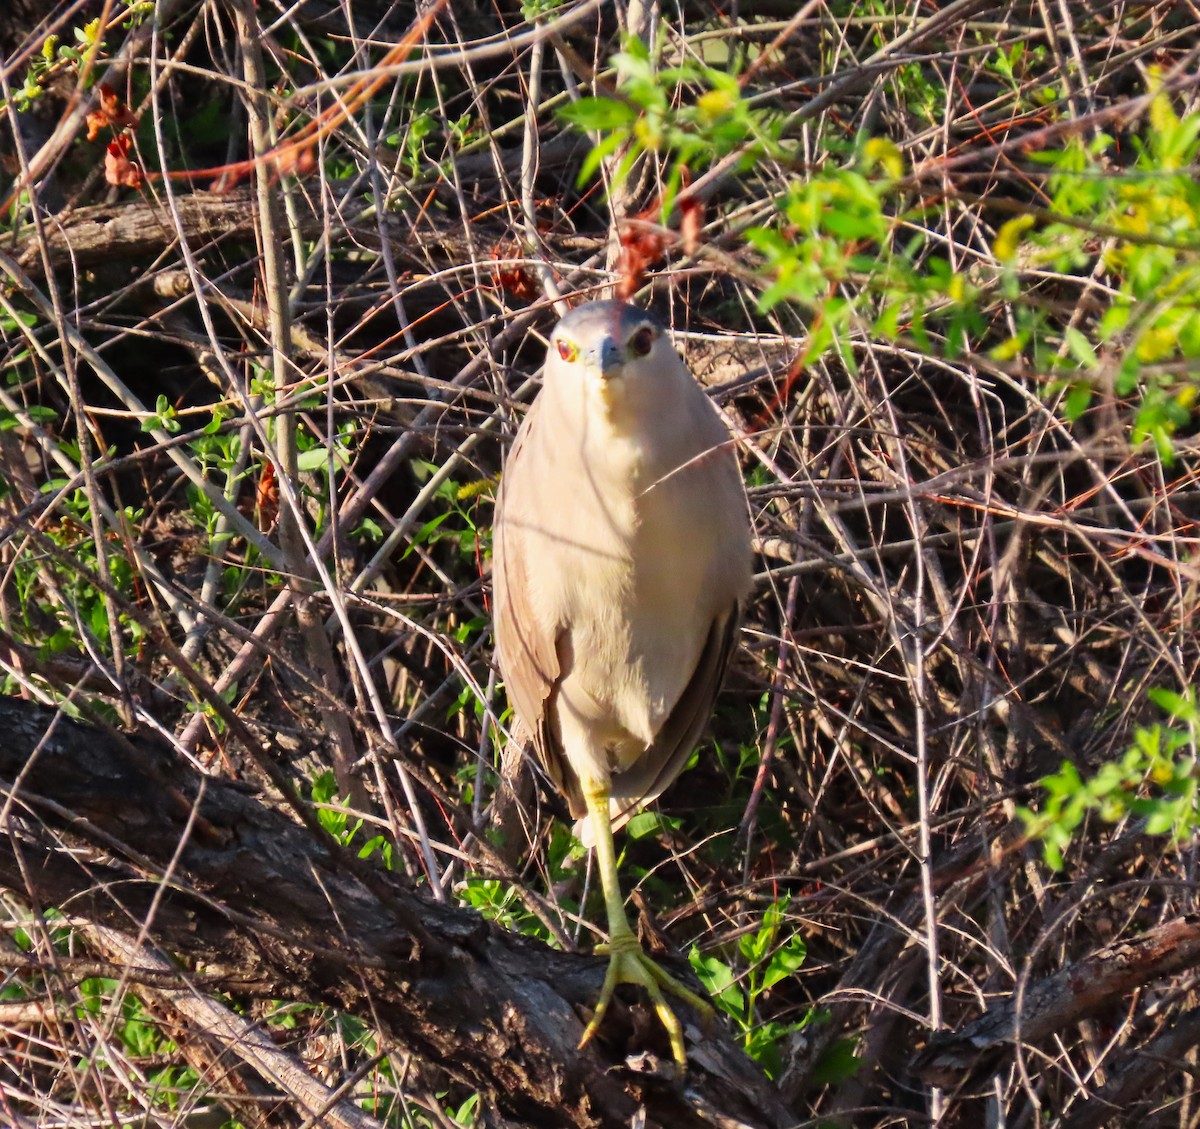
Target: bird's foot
x: 629, y: 964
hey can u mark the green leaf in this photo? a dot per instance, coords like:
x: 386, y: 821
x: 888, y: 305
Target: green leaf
x: 837, y: 1064
x: 324, y: 787
x: 594, y: 158
x: 598, y: 115
x: 10, y: 324
x: 785, y: 962
x: 717, y: 978
x: 1161, y: 822
x: 1081, y: 348
x: 317, y: 458
x: 368, y: 530
x: 649, y: 824
x: 1078, y: 398
x: 1182, y: 706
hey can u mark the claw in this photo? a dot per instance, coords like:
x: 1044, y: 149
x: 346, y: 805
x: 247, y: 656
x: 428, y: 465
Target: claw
x: 629, y: 964
x: 627, y: 960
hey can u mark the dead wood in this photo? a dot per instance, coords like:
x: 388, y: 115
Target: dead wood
x: 1132, y: 1076
x: 98, y: 821
x: 1055, y: 1003
x: 141, y: 227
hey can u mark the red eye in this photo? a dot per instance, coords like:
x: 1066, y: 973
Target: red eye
x: 567, y: 351
x: 642, y: 341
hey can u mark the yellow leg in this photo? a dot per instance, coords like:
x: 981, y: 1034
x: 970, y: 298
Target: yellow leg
x: 628, y: 962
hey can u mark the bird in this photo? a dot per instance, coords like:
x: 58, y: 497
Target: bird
x: 621, y: 564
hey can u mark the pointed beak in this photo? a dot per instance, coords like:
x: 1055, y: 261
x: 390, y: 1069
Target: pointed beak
x: 610, y: 358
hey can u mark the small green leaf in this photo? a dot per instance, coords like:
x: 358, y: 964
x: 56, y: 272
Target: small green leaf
x: 598, y: 153
x: 785, y: 962
x: 598, y: 115
x: 649, y: 824
x: 10, y: 324
x: 837, y: 1064
x: 1081, y: 348
x: 1078, y: 398
x: 717, y: 978
x: 316, y: 458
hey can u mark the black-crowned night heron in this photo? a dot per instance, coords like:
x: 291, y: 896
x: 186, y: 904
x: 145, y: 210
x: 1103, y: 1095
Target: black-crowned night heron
x: 622, y: 556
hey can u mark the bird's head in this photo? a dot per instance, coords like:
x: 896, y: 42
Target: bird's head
x: 613, y: 353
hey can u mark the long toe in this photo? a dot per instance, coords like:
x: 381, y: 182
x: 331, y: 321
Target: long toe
x: 628, y: 963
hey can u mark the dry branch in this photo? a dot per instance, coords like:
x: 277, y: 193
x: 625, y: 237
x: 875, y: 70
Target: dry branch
x: 1136, y: 1072
x: 1055, y: 1003
x: 98, y: 821
x: 140, y: 227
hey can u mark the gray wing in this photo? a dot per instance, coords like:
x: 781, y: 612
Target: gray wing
x: 664, y: 760
x: 526, y: 650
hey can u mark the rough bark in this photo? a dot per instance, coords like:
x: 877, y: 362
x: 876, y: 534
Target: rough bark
x: 139, y: 227
x: 96, y: 819
x: 1133, y: 1075
x: 1051, y: 1005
